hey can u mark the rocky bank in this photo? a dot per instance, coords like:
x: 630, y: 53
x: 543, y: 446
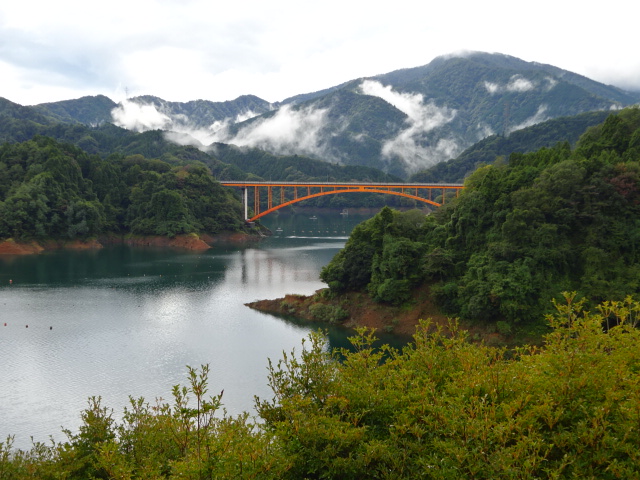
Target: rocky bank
x: 188, y: 242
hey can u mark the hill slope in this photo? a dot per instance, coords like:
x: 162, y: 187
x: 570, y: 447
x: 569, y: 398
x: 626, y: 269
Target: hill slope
x: 529, y: 139
x: 411, y: 119
x: 519, y: 234
x: 401, y: 122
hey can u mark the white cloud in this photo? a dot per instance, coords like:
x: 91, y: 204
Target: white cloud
x: 484, y: 131
x: 270, y: 49
x: 138, y: 117
x: 141, y: 117
x: 287, y: 131
x: 517, y: 83
x: 552, y: 82
x: 492, y: 87
x: 538, y: 117
x: 412, y: 144
x: 183, y: 138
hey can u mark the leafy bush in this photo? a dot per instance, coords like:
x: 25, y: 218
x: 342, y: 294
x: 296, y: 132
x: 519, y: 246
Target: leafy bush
x: 328, y: 313
x: 440, y: 408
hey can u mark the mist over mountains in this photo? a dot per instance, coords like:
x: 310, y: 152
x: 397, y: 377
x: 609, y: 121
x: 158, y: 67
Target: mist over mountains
x: 400, y: 122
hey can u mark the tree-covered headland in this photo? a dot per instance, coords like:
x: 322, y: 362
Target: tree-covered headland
x: 52, y: 190
x: 520, y: 233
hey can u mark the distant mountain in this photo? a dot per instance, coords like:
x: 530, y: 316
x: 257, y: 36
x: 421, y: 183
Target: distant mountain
x: 530, y: 139
x: 401, y: 122
x: 88, y: 110
x: 227, y: 162
x: 198, y: 114
x: 412, y: 119
x: 11, y: 110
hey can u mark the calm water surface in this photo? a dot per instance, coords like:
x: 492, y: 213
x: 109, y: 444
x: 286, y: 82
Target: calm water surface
x: 123, y: 322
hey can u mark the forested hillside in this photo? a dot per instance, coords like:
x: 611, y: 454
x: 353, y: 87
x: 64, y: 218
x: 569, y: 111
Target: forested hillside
x: 401, y: 122
x: 559, y: 219
x: 54, y: 190
x: 226, y: 162
x: 558, y: 224
x: 412, y: 119
x: 529, y: 139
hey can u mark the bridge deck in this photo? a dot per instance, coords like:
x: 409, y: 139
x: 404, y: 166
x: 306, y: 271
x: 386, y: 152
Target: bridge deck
x: 244, y: 183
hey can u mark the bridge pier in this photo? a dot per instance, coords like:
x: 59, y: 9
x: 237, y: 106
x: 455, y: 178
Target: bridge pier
x: 245, y: 200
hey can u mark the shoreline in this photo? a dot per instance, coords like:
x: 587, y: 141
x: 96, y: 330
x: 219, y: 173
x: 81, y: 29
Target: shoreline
x: 192, y: 242
x: 361, y: 311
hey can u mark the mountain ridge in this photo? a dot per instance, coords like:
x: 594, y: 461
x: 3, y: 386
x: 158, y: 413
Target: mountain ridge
x: 401, y: 122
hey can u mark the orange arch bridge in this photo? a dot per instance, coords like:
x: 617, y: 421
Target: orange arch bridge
x: 288, y: 193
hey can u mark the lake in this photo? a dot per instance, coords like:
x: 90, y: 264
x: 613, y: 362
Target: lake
x: 122, y: 321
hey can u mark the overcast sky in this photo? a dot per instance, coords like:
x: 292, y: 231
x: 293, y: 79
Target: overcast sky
x: 183, y: 50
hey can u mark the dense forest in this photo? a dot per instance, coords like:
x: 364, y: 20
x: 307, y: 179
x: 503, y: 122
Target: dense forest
x: 521, y: 232
x: 226, y: 162
x: 441, y: 408
x: 55, y: 190
x: 525, y: 140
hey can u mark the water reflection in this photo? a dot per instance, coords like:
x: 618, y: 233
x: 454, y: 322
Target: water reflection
x: 126, y: 321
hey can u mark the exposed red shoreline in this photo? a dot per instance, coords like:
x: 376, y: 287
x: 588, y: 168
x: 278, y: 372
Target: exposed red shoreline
x: 188, y: 242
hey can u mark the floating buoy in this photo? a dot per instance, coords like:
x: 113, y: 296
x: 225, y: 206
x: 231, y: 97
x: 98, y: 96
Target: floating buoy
x: 26, y: 326
x: 10, y: 281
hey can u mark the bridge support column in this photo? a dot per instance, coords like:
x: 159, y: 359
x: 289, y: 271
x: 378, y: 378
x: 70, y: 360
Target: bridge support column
x: 245, y: 200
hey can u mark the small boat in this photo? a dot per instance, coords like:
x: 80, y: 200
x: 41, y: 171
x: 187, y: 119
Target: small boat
x: 313, y: 218
x: 278, y: 230
x: 344, y: 212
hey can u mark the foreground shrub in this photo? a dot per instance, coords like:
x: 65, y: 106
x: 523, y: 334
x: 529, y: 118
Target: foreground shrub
x: 441, y: 408
x: 328, y: 313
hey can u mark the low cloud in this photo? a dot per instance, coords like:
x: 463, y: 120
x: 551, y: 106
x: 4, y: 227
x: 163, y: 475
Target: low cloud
x: 289, y: 131
x: 413, y: 144
x: 552, y: 82
x: 492, y: 87
x: 139, y: 117
x: 538, y: 117
x: 517, y: 83
x: 484, y: 131
x: 183, y: 138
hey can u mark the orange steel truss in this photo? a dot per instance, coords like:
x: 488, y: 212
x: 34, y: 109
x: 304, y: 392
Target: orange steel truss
x: 299, y: 191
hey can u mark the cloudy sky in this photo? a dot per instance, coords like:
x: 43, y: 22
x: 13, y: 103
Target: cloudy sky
x: 183, y: 50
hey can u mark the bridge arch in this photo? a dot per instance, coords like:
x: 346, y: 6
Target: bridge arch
x: 333, y: 192
x: 407, y: 190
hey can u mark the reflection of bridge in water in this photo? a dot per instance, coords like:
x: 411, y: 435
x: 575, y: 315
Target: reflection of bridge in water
x: 282, y: 194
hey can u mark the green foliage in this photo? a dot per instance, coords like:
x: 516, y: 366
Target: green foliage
x: 445, y: 408
x: 381, y: 255
x: 495, y: 147
x: 440, y: 408
x: 328, y: 313
x: 53, y: 190
x: 518, y: 235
